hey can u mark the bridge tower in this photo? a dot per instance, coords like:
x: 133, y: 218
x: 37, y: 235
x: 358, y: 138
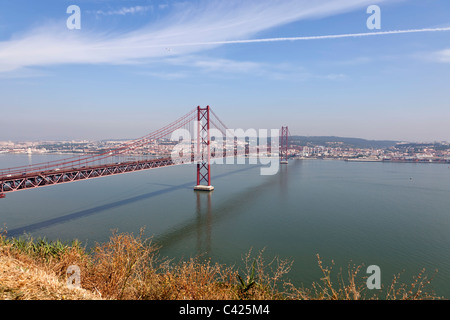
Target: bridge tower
x: 284, y: 145
x: 203, y: 151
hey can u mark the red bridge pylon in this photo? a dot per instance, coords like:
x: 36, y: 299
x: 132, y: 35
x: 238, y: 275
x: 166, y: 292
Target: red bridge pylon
x: 284, y: 145
x: 203, y: 151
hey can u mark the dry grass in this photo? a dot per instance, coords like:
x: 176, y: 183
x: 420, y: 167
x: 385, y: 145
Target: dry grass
x: 21, y: 279
x: 129, y: 267
x: 353, y: 286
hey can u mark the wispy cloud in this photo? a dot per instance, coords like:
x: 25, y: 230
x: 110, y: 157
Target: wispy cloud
x: 442, y: 56
x: 123, y: 11
x: 354, y: 61
x: 164, y: 75
x: 438, y: 56
x: 190, y: 26
x: 221, y: 67
x: 208, y: 64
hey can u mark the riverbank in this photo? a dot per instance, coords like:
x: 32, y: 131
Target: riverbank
x: 129, y: 267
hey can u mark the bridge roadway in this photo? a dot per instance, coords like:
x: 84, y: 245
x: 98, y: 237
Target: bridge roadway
x: 30, y: 180
x: 16, y: 180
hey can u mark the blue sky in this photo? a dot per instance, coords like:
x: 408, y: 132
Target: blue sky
x: 137, y: 65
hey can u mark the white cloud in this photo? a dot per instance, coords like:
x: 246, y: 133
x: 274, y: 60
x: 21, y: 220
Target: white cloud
x: 442, y: 56
x: 334, y: 76
x: 221, y: 67
x: 354, y: 61
x: 219, y: 64
x: 188, y: 23
x: 124, y: 11
x: 439, y: 56
x: 164, y: 75
x: 228, y: 66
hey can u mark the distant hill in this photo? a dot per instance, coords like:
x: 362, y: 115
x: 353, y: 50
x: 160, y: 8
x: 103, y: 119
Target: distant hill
x: 348, y: 142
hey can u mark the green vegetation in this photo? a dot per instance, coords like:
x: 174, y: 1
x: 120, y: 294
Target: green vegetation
x: 41, y: 248
x: 129, y: 267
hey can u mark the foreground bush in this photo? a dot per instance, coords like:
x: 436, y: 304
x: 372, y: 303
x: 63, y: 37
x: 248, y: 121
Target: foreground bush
x: 129, y: 267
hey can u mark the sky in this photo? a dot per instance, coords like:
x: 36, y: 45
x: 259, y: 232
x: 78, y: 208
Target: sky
x: 134, y: 66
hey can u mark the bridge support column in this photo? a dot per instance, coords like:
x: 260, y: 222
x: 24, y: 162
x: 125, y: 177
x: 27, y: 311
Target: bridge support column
x: 284, y: 145
x: 203, y: 151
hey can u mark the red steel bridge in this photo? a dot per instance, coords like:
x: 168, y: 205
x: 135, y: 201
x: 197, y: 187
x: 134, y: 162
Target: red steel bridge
x: 197, y: 123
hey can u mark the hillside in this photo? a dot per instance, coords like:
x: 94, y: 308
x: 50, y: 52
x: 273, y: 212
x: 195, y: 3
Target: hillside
x: 345, y: 142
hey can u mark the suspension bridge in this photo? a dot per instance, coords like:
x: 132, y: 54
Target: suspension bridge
x: 198, y: 123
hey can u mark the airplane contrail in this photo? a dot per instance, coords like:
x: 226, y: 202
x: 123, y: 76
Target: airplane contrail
x: 331, y: 36
x: 334, y: 36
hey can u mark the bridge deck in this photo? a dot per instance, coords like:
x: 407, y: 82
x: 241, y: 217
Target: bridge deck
x: 29, y: 180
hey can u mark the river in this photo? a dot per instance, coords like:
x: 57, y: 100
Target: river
x: 394, y: 215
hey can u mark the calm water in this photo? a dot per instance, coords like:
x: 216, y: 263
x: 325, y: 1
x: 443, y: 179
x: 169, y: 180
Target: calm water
x: 394, y: 215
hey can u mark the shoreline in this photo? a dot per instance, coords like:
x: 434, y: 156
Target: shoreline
x: 439, y: 160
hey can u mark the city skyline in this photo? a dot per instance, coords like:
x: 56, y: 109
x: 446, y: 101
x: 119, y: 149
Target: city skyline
x: 128, y: 70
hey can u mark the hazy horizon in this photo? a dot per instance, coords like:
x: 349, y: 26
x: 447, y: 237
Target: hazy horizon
x: 127, y: 139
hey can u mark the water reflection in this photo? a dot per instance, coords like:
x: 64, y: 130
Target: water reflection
x: 283, y: 180
x: 233, y: 206
x: 204, y: 213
